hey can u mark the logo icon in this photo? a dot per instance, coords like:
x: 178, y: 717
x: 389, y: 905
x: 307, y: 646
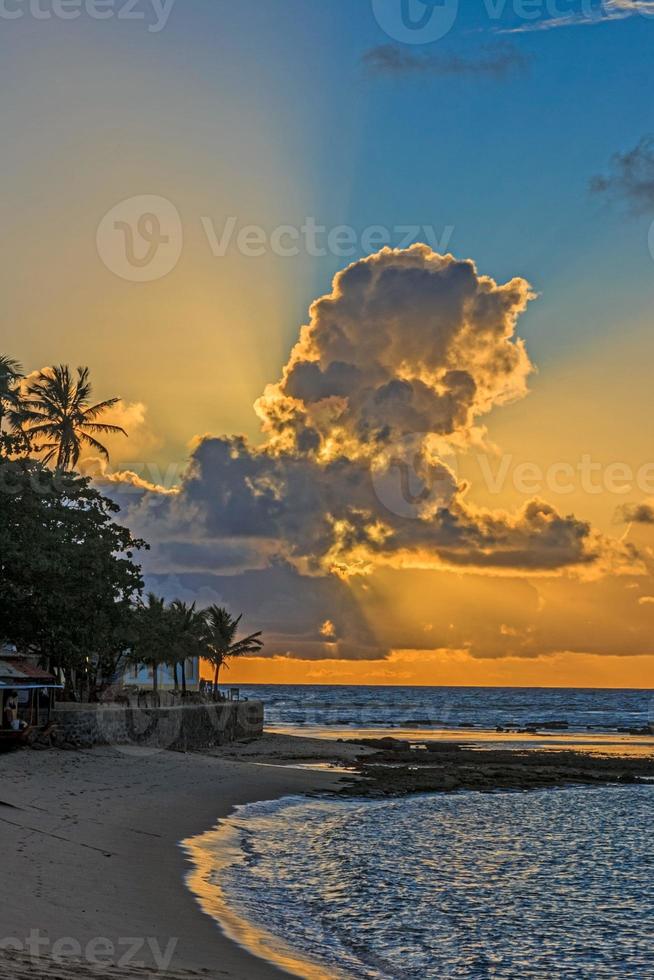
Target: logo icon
x: 416, y: 21
x: 410, y: 481
x: 141, y: 238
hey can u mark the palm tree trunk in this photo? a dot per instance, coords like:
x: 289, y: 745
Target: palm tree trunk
x: 175, y: 677
x: 155, y: 677
x: 183, y: 665
x: 215, y: 678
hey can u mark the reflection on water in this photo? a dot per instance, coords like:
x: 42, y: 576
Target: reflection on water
x: 510, y: 885
x: 215, y: 855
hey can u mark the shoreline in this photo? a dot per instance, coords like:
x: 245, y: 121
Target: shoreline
x: 391, y: 771
x: 92, y: 852
x: 213, y: 851
x: 105, y: 833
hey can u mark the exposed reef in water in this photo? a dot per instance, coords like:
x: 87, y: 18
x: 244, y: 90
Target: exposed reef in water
x: 398, y: 769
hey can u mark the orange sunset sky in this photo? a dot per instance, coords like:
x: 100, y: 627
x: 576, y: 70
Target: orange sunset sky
x: 415, y: 446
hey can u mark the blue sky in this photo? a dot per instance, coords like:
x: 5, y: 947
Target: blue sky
x: 506, y: 162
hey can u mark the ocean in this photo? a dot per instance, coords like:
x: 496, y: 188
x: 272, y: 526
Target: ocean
x: 513, y: 886
x: 509, y: 885
x: 306, y: 707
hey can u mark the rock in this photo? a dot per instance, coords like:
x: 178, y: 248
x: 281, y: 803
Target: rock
x: 442, y: 747
x: 552, y: 726
x: 387, y: 744
x: 490, y: 770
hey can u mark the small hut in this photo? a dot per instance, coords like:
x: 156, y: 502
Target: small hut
x: 32, y: 689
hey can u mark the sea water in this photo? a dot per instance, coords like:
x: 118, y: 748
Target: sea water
x: 306, y: 706
x: 547, y: 884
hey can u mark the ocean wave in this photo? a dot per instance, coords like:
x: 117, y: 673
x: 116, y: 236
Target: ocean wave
x: 553, y: 883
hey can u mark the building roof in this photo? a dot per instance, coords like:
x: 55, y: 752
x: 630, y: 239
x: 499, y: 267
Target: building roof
x: 17, y: 672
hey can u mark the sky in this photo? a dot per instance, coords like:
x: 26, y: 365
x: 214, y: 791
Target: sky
x: 447, y: 476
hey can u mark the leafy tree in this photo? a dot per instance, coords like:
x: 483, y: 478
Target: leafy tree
x: 55, y: 412
x: 11, y: 373
x: 220, y: 639
x: 12, y: 440
x: 69, y: 587
x: 67, y: 575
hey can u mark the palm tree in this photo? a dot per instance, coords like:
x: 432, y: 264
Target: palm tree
x: 11, y: 373
x: 221, y: 642
x: 153, y: 635
x: 55, y: 410
x: 188, y: 629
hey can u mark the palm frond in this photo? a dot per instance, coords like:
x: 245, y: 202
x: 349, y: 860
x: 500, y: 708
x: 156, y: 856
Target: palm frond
x: 104, y: 406
x: 94, y: 444
x: 57, y: 405
x: 104, y: 427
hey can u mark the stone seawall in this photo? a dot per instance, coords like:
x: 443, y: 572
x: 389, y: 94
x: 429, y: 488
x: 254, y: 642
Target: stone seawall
x: 182, y: 728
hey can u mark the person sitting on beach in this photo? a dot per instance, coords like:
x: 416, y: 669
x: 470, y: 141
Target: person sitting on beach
x: 10, y: 717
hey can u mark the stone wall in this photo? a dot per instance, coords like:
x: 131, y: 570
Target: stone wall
x: 181, y: 728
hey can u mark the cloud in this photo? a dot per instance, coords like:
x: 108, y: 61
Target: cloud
x: 398, y: 362
x: 424, y: 610
x: 327, y: 517
x: 603, y: 13
x: 142, y: 441
x: 630, y: 176
x: 407, y: 341
x: 328, y: 630
x: 644, y: 8
x: 493, y: 618
x: 291, y: 609
x: 124, y: 479
x: 636, y: 513
x: 496, y: 61
x: 390, y: 378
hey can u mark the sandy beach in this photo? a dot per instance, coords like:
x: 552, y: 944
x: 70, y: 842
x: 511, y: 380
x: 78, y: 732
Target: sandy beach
x: 90, y: 853
x: 92, y: 857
